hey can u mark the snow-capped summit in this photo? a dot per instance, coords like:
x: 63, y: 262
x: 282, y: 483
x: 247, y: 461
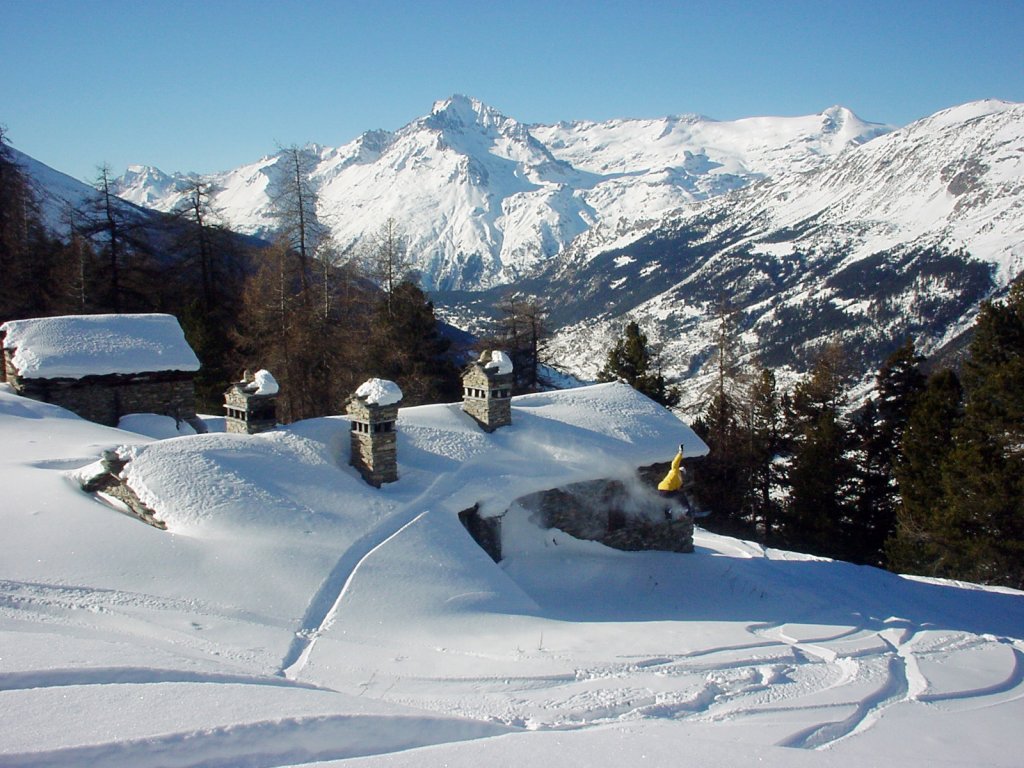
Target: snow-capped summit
x: 901, y: 237
x: 464, y: 110
x: 484, y: 199
x: 148, y: 186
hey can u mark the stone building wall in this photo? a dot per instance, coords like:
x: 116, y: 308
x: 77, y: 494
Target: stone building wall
x: 105, y: 399
x: 248, y: 413
x: 486, y: 531
x: 8, y: 372
x: 612, y: 513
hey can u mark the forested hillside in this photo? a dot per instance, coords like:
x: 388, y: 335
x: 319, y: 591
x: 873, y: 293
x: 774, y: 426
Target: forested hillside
x: 321, y: 320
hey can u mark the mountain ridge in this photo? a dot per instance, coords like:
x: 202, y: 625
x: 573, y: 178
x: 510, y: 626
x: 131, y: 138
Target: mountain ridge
x: 486, y: 199
x: 903, y: 236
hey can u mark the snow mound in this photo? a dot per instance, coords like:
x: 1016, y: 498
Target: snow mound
x: 74, y: 346
x: 263, y: 383
x: 379, y: 392
x: 298, y: 477
x: 306, y: 616
x: 500, y: 361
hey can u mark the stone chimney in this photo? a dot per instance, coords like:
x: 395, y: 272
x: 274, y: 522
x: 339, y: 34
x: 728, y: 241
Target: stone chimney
x: 487, y: 390
x: 373, y: 410
x: 250, y: 405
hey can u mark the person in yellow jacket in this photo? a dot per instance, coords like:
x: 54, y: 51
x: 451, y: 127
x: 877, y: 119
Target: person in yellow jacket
x: 671, y: 487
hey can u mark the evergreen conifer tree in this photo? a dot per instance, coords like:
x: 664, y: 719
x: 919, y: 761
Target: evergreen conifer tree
x: 818, y: 509
x: 984, y: 478
x: 764, y: 444
x: 407, y: 347
x: 631, y: 360
x: 877, y: 432
x: 922, y: 538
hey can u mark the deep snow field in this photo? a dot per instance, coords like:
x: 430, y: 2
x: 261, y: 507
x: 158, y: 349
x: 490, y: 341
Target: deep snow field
x: 293, y: 614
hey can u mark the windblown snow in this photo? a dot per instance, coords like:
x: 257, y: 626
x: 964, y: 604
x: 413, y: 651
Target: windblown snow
x: 292, y: 614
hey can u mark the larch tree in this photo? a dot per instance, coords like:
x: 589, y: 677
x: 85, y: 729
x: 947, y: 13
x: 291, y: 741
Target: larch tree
x: 130, y: 278
x: 208, y: 274
x: 521, y: 332
x: 721, y: 479
x: 386, y: 260
x: 293, y: 204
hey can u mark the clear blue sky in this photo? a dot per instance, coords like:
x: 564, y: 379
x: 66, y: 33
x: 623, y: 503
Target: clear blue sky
x: 206, y: 86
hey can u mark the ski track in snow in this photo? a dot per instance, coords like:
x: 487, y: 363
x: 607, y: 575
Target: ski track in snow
x: 326, y: 602
x: 804, y: 675
x: 61, y: 678
x: 288, y: 741
x: 782, y: 669
x: 324, y: 605
x: 865, y: 672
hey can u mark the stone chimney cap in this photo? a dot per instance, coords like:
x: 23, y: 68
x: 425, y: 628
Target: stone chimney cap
x: 379, y: 392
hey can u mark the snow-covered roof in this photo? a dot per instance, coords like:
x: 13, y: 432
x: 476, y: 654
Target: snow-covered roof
x: 379, y: 392
x: 556, y: 438
x: 74, y: 346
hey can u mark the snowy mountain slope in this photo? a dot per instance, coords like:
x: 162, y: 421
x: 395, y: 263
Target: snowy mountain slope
x: 60, y: 194
x: 720, y: 154
x: 485, y: 199
x: 293, y: 615
x: 902, y: 236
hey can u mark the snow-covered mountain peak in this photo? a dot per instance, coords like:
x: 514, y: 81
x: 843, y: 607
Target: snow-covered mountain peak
x: 462, y: 114
x: 136, y: 171
x: 463, y: 107
x: 972, y: 110
x: 148, y: 186
x: 841, y: 128
x: 484, y: 198
x: 902, y: 236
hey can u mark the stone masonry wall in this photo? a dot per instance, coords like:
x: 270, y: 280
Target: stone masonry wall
x: 480, y: 399
x: 374, y: 442
x: 376, y: 457
x: 609, y: 512
x: 105, y: 399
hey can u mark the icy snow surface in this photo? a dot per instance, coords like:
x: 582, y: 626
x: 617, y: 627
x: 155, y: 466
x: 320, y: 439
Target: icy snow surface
x: 74, y: 346
x: 379, y: 392
x: 154, y: 425
x: 293, y: 614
